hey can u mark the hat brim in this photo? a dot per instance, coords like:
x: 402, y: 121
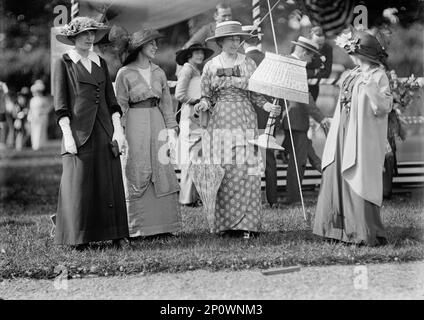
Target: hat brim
x: 300, y: 44
x: 241, y: 34
x: 367, y: 57
x: 182, y: 55
x: 99, y: 34
x: 132, y: 52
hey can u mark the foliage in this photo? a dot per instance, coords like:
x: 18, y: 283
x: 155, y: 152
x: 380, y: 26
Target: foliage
x: 404, y: 93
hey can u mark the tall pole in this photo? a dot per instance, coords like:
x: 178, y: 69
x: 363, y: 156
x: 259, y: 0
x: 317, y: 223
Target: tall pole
x: 74, y: 9
x: 256, y: 15
x: 288, y: 121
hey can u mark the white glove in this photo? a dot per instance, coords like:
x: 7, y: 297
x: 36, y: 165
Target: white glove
x: 68, y: 139
x: 118, y: 132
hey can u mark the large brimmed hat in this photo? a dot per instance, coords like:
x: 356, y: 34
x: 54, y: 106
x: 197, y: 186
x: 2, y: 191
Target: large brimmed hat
x: 307, y: 44
x: 79, y: 25
x: 183, y: 54
x: 138, y: 39
x: 227, y: 29
x: 363, y: 44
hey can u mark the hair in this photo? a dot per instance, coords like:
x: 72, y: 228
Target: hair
x: 222, y: 5
x: 315, y: 30
x: 252, y: 40
x: 219, y: 42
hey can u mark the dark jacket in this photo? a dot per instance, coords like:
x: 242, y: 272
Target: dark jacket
x: 324, y: 68
x: 262, y: 115
x: 299, y: 114
x: 78, y: 95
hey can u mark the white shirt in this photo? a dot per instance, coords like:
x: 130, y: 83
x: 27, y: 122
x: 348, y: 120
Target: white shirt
x: 86, y: 61
x: 145, y: 73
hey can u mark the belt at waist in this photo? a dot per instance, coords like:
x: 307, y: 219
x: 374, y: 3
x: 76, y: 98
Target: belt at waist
x: 148, y: 103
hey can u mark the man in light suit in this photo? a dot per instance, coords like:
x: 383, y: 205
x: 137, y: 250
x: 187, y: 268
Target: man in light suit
x: 299, y: 114
x: 251, y: 50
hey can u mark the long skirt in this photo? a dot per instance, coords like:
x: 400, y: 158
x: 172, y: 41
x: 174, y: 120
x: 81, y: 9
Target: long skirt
x: 238, y: 203
x: 190, y: 135
x: 152, y: 200
x: 341, y: 213
x: 39, y: 132
x: 91, y: 204
x: 153, y: 215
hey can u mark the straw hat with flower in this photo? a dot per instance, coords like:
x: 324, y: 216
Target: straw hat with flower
x: 79, y: 25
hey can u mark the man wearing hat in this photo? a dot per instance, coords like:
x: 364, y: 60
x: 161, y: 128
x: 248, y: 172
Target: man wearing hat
x: 251, y: 50
x: 320, y: 66
x: 299, y: 113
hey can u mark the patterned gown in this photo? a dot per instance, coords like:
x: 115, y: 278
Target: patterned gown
x: 233, y: 119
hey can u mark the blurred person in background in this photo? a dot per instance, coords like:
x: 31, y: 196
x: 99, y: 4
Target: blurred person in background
x: 22, y: 131
x: 321, y: 64
x: 38, y: 115
x: 222, y: 13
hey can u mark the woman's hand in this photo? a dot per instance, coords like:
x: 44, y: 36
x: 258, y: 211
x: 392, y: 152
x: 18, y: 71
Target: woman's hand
x: 273, y: 109
x: 201, y: 106
x: 118, y: 133
x: 172, y: 138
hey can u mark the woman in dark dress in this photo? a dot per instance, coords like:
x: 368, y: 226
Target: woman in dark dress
x: 91, y: 205
x: 350, y: 198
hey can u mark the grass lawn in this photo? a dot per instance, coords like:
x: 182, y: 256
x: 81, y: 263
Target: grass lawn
x: 28, y: 193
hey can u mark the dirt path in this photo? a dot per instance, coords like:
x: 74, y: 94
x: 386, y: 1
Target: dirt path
x: 383, y: 281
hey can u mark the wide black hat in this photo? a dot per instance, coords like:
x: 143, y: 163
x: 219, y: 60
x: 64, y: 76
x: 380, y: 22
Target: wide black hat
x: 183, y: 54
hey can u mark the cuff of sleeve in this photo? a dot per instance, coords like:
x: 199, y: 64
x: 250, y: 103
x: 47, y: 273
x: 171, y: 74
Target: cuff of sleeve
x: 116, y: 108
x: 62, y: 113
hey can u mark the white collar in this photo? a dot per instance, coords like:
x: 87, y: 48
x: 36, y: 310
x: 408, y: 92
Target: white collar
x: 252, y: 48
x: 75, y: 56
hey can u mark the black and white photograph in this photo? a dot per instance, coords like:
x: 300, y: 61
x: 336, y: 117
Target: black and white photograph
x: 225, y: 151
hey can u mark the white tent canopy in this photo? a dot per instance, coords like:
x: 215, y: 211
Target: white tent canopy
x: 133, y: 14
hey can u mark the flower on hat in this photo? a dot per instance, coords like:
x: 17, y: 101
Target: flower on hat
x: 80, y: 23
x: 349, y: 42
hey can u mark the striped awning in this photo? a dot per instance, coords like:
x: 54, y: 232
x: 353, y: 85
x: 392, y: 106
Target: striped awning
x: 332, y: 15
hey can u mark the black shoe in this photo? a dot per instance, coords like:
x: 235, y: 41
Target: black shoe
x: 80, y: 247
x: 288, y: 201
x: 122, y: 243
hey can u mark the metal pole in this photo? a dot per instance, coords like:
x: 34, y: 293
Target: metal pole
x: 295, y: 161
x: 288, y: 121
x: 256, y: 15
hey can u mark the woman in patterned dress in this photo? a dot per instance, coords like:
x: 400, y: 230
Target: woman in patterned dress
x: 350, y: 198
x: 232, y: 123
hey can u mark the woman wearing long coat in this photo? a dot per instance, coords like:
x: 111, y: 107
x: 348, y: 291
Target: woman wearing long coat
x: 350, y: 198
x: 91, y: 205
x: 150, y: 181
